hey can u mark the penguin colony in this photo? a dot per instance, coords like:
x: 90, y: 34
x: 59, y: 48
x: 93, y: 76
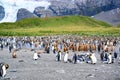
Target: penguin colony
x: 107, y: 47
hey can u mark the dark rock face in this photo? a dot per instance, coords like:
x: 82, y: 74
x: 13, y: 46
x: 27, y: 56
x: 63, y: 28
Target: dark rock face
x: 77, y: 7
x: 111, y: 17
x: 64, y: 8
x: 58, y: 8
x: 24, y: 13
x: 2, y: 13
x: 116, y: 3
x: 106, y: 10
x: 92, y: 7
x: 67, y: 7
x: 42, y: 12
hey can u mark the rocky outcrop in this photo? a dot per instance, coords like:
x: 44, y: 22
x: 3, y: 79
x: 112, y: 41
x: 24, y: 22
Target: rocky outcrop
x: 2, y: 13
x: 58, y: 8
x: 77, y: 7
x: 111, y: 17
x: 92, y: 7
x: 24, y: 13
x: 42, y: 12
x: 64, y: 8
x: 67, y: 7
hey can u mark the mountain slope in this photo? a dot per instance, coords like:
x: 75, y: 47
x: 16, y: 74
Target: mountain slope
x: 112, y: 17
x: 24, y: 13
x: 67, y: 21
x: 55, y: 7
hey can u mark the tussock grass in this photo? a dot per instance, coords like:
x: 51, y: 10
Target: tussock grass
x: 80, y: 25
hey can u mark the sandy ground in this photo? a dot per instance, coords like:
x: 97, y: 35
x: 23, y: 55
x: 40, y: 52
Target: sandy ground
x: 46, y: 68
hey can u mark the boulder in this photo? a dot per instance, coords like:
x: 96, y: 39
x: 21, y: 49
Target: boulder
x: 24, y: 13
x: 42, y: 12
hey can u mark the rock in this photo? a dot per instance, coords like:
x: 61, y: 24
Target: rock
x: 82, y: 7
x: 67, y: 7
x: 119, y: 62
x: 92, y: 7
x: 111, y: 17
x: 13, y: 71
x: 6, y: 79
x: 60, y: 71
x: 21, y: 60
x: 42, y: 12
x: 24, y: 13
x: 2, y: 13
x: 117, y: 78
x: 90, y: 75
x: 64, y: 8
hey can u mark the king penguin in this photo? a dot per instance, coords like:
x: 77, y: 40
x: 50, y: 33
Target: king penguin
x: 3, y: 69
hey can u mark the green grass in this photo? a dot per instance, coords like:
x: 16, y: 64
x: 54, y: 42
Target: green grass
x: 118, y: 26
x: 80, y: 25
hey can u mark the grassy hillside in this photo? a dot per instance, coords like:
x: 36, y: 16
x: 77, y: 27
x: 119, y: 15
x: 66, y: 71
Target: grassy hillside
x: 118, y: 26
x: 58, y: 25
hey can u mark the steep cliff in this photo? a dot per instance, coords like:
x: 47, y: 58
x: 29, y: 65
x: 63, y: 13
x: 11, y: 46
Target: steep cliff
x: 42, y: 12
x: 24, y: 13
x: 2, y: 13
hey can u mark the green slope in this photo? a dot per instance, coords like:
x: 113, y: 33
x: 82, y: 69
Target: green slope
x: 118, y: 26
x: 80, y: 25
x: 55, y: 22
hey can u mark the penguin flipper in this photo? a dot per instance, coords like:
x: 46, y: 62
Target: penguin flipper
x: 1, y: 72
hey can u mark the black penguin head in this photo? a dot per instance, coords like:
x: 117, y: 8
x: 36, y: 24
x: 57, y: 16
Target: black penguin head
x: 67, y: 52
x: 90, y: 55
x: 110, y: 53
x: 6, y: 66
x: 59, y: 51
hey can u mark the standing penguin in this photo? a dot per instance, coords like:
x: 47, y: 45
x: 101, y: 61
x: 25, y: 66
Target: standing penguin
x: 1, y: 46
x: 35, y: 56
x: 99, y: 47
x: 10, y: 48
x: 93, y: 58
x: 110, y: 58
x: 59, y: 56
x: 66, y: 57
x: 102, y: 56
x: 48, y: 49
x: 115, y: 55
x: 53, y: 49
x: 75, y: 58
x: 105, y: 56
x: 3, y: 68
